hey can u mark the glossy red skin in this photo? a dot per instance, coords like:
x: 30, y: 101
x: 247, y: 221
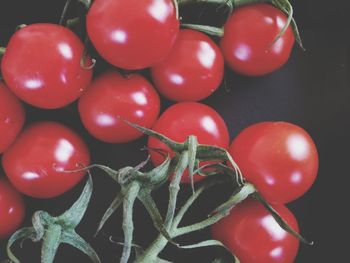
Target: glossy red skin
x: 249, y: 35
x: 133, y: 34
x: 112, y: 98
x: 12, y: 117
x: 253, y: 235
x: 192, y: 71
x: 42, y: 67
x: 189, y: 118
x: 279, y: 158
x: 12, y: 209
x: 33, y: 163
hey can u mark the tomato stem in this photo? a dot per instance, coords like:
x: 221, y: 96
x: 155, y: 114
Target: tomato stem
x: 56, y: 230
x: 2, y: 51
x: 210, y: 30
x: 86, y: 3
x: 64, y: 12
x: 151, y: 254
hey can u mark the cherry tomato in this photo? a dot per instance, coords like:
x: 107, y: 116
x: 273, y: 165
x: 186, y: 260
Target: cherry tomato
x: 11, y: 209
x: 42, y: 67
x: 133, y: 34
x: 12, y: 117
x: 189, y: 118
x: 248, y: 43
x: 192, y: 71
x: 113, y: 98
x: 279, y: 158
x: 36, y: 160
x: 253, y: 235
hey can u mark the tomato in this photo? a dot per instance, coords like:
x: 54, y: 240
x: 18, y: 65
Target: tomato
x: 12, y: 117
x: 113, y: 98
x: 35, y: 161
x: 248, y: 43
x: 279, y: 158
x: 42, y: 67
x: 192, y: 71
x: 189, y: 118
x: 253, y: 235
x: 11, y: 209
x: 133, y: 34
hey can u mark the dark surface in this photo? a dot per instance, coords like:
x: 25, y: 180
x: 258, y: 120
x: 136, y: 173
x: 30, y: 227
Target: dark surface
x: 312, y: 90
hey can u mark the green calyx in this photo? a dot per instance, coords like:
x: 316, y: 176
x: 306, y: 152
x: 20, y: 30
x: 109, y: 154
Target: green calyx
x: 54, y: 231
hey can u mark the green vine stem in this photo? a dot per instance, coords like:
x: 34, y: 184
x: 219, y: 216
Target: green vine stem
x: 2, y: 51
x: 210, y: 30
x: 151, y: 253
x: 86, y: 3
x: 64, y: 12
x: 283, y: 5
x: 137, y: 185
x: 57, y: 230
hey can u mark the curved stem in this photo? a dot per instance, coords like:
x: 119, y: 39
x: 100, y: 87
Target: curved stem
x: 128, y: 225
x: 2, y: 51
x: 210, y: 30
x: 245, y: 191
x: 174, y: 188
x: 190, y: 201
x: 64, y: 12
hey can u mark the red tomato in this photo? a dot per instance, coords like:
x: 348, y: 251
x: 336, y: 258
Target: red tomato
x: 189, y: 118
x: 192, y: 71
x: 253, y: 235
x: 42, y: 67
x: 12, y: 117
x: 279, y: 158
x: 247, y: 44
x: 11, y: 209
x: 133, y: 34
x: 34, y: 161
x: 112, y: 98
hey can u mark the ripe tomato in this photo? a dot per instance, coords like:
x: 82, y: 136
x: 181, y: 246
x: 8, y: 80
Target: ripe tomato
x: 133, y: 34
x: 11, y: 209
x: 111, y: 97
x: 35, y: 161
x: 253, y: 235
x: 279, y: 158
x: 189, y: 118
x: 247, y: 44
x: 12, y: 117
x: 42, y: 67
x: 192, y: 71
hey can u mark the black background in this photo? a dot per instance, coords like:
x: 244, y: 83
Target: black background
x: 312, y: 90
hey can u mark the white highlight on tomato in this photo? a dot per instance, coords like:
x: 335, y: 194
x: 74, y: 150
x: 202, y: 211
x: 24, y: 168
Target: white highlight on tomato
x: 105, y: 120
x: 158, y: 9
x: 298, y: 147
x: 177, y: 79
x: 209, y: 125
x: 273, y: 228
x: 206, y: 55
x: 33, y: 84
x: 64, y: 150
x: 139, y: 98
x: 65, y: 50
x: 276, y: 252
x: 30, y: 175
x: 242, y: 52
x: 119, y: 36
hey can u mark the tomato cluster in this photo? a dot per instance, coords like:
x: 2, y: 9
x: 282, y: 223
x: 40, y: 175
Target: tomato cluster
x: 46, y: 66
